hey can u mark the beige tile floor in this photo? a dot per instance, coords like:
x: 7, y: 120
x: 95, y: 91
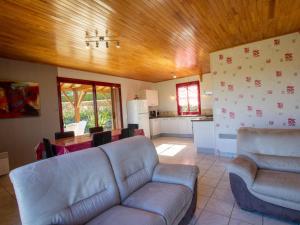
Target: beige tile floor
x: 215, y: 206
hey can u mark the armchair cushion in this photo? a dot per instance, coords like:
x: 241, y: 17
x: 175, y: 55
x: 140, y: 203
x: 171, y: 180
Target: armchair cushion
x: 176, y: 174
x: 277, y: 184
x: 245, y: 168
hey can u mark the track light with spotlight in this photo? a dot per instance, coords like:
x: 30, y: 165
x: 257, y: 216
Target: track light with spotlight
x: 96, y: 39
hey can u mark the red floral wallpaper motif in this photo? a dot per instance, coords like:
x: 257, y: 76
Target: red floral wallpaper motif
x: 258, y: 85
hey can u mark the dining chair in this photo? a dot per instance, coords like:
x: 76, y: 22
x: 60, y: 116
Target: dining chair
x: 60, y: 135
x: 106, y: 137
x: 131, y: 128
x: 101, y: 138
x: 124, y: 133
x: 49, y: 149
x: 95, y: 129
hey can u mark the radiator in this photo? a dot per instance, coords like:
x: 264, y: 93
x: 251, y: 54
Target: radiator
x: 4, y: 163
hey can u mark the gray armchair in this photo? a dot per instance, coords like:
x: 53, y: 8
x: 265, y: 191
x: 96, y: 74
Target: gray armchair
x: 265, y: 176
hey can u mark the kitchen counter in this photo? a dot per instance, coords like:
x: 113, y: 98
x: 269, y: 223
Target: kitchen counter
x: 203, y: 119
x: 180, y: 116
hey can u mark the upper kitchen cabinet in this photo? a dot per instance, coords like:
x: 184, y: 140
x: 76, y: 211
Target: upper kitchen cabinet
x: 151, y: 96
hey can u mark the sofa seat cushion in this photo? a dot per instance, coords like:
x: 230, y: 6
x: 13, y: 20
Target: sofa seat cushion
x: 167, y: 200
x: 278, y: 184
x: 127, y: 216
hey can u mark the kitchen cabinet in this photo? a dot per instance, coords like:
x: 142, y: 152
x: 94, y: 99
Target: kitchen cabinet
x: 151, y: 96
x: 154, y: 127
x: 204, y: 136
x: 176, y: 125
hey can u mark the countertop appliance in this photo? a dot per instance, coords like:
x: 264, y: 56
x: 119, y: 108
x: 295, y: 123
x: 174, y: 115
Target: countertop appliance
x: 138, y: 113
x: 153, y: 114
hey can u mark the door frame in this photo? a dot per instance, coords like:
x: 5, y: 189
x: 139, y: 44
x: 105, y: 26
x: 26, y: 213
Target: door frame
x: 86, y: 82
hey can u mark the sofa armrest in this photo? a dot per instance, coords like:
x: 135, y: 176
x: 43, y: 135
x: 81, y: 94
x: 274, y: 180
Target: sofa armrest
x: 245, y: 168
x: 176, y: 174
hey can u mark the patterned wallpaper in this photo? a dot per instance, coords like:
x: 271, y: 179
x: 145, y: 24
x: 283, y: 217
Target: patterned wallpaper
x: 256, y: 85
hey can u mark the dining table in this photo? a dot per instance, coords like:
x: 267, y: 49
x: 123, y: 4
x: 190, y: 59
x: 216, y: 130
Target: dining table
x: 72, y: 144
x: 76, y: 143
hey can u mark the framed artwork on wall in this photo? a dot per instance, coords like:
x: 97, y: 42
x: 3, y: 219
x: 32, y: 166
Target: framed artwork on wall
x: 19, y: 99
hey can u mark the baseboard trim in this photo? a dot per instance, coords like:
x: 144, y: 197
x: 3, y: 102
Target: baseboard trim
x: 176, y: 135
x: 226, y: 154
x: 206, y: 150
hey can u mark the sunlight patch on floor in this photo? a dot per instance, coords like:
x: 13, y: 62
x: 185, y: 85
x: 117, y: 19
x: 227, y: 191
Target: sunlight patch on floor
x: 169, y: 149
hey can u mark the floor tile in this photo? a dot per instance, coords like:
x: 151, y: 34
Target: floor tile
x: 249, y: 217
x: 214, y: 174
x: 219, y: 207
x: 209, y: 218
x: 202, y: 201
x: 238, y: 222
x: 205, y: 190
x: 273, y: 221
x: 224, y: 195
x: 208, y: 180
x: 224, y: 185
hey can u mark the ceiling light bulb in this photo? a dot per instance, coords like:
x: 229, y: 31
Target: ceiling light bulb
x: 107, y: 46
x: 174, y: 76
x: 118, y: 44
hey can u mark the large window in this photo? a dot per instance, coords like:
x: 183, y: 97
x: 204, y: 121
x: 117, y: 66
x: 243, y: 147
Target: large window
x: 86, y: 104
x: 188, y: 98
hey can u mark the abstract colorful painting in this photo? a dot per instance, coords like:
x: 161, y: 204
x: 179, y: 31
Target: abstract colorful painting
x: 19, y: 99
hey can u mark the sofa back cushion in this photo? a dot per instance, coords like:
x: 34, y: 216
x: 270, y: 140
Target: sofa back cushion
x: 280, y: 142
x: 67, y: 189
x: 277, y: 149
x: 133, y: 161
x: 272, y: 162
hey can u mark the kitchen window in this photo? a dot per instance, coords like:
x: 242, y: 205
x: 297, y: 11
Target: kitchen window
x: 188, y: 98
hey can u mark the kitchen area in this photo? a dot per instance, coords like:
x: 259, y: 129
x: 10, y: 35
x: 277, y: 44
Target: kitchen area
x: 166, y: 121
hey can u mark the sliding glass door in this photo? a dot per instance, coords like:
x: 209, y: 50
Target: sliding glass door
x: 86, y: 104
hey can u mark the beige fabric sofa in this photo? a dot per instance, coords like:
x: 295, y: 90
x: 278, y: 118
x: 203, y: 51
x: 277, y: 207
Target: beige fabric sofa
x: 118, y: 183
x: 265, y: 176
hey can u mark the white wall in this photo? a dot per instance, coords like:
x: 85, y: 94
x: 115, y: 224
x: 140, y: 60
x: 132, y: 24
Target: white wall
x: 129, y: 87
x: 167, y: 92
x: 256, y: 85
x: 19, y: 136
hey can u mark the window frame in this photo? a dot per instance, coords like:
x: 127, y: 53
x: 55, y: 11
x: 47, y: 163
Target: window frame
x: 186, y: 84
x: 86, y: 82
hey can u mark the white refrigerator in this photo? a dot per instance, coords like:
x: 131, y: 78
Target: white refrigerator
x: 138, y: 113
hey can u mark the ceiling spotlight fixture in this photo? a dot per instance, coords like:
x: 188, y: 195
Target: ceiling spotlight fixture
x: 173, y: 75
x: 94, y: 39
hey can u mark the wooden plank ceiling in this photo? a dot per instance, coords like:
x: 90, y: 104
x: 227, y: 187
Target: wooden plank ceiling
x: 157, y: 37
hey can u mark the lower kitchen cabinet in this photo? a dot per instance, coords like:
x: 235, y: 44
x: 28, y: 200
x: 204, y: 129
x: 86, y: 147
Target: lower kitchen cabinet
x: 203, y: 132
x: 171, y: 126
x: 154, y: 127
